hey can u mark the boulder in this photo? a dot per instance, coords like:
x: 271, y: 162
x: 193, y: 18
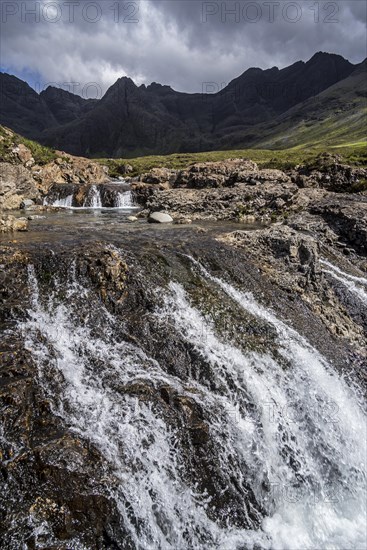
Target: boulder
x: 159, y: 217
x: 124, y: 169
x: 23, y: 154
x: 159, y: 175
x: 16, y: 186
x: 10, y: 223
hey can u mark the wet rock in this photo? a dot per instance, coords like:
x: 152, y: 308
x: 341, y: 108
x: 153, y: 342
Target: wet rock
x: 132, y: 218
x: 110, y: 272
x: 59, y: 489
x: 36, y: 217
x: 26, y: 203
x: 290, y: 255
x: 80, y: 195
x: 159, y: 217
x: 23, y: 179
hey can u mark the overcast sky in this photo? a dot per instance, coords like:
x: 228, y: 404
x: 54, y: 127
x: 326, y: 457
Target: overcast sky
x: 180, y: 43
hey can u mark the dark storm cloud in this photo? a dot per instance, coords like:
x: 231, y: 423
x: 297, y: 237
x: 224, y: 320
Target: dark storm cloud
x: 181, y: 43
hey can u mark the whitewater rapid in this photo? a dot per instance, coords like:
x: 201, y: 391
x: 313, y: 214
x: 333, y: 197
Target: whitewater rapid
x: 288, y: 426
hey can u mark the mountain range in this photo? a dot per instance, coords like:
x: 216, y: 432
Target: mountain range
x: 323, y: 99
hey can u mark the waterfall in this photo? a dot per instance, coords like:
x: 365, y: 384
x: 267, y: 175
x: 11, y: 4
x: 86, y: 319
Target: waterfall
x: 67, y: 202
x: 93, y: 199
x: 124, y: 200
x: 321, y: 484
x: 355, y: 285
x: 109, y: 195
x: 285, y: 424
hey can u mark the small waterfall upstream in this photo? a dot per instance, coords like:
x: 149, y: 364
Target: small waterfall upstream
x: 109, y: 195
x: 125, y: 200
x: 287, y: 428
x: 355, y: 285
x: 66, y: 202
x: 93, y: 198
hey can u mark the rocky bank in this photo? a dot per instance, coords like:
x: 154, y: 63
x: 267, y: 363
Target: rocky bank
x: 22, y: 178
x: 312, y: 212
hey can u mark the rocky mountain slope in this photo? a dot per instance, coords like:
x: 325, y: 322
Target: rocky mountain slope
x: 132, y: 121
x: 338, y: 114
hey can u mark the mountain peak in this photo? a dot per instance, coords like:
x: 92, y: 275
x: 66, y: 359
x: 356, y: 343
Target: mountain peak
x: 155, y: 86
x: 155, y: 119
x: 327, y: 57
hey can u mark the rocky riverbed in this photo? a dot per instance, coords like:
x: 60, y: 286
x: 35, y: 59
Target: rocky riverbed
x: 193, y: 385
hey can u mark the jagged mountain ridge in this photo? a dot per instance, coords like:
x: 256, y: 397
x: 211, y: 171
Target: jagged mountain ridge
x: 133, y: 120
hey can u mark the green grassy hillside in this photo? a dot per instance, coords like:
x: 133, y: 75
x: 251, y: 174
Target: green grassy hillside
x: 283, y: 159
x: 337, y: 116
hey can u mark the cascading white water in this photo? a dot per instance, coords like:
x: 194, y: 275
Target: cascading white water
x: 323, y: 427
x: 93, y: 199
x: 139, y: 445
x: 297, y: 428
x: 355, y: 285
x: 67, y: 202
x: 124, y: 200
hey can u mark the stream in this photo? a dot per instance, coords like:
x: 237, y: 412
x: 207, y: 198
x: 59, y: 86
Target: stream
x: 205, y: 408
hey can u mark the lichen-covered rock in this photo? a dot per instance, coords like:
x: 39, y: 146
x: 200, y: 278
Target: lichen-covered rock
x: 24, y: 155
